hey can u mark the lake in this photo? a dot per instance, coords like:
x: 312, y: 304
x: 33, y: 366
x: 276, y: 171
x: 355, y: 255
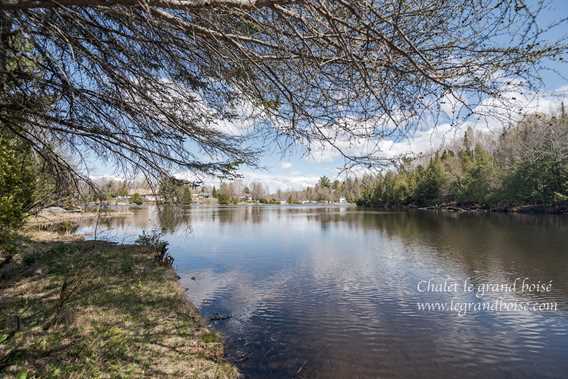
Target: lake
x: 318, y: 292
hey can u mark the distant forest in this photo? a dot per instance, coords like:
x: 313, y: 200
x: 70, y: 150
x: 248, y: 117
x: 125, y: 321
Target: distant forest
x: 527, y: 165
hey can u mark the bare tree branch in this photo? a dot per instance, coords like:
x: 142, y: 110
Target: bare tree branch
x: 171, y: 4
x: 161, y: 85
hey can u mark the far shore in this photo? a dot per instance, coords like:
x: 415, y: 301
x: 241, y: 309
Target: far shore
x: 559, y: 209
x: 56, y: 215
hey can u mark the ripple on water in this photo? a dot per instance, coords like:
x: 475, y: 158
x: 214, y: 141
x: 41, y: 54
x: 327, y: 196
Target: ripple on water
x: 332, y: 294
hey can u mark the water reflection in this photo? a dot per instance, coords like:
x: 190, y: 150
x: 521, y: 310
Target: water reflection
x: 331, y: 292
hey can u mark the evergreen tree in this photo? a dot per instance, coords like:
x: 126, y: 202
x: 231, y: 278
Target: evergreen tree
x: 17, y: 183
x: 186, y: 197
x: 431, y: 187
x: 529, y: 166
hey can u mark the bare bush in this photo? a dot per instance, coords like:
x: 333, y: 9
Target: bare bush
x: 153, y: 241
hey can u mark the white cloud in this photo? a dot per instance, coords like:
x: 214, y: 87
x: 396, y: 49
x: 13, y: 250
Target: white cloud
x: 286, y: 165
x: 283, y: 182
x: 495, y: 115
x: 294, y: 181
x: 107, y: 178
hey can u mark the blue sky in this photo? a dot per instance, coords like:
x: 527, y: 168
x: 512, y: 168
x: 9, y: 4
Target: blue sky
x: 293, y: 169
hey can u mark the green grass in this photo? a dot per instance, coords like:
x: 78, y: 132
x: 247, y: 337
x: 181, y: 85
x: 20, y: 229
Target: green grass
x: 97, y: 310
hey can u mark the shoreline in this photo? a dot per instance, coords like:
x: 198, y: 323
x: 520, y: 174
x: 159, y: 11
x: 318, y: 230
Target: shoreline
x: 52, y: 217
x: 561, y: 209
x: 92, y: 308
x: 62, y: 215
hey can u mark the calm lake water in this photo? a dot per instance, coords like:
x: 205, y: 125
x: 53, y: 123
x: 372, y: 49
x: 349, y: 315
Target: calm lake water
x: 334, y: 292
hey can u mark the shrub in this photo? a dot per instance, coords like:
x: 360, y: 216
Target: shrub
x: 224, y: 199
x: 136, y: 199
x: 153, y: 241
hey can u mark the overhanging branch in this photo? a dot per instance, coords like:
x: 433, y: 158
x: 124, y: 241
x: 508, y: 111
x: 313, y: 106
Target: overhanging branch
x: 172, y: 4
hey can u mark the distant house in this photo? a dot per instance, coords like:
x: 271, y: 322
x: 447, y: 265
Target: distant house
x: 140, y: 191
x: 152, y: 198
x: 309, y: 202
x: 147, y: 194
x: 342, y: 200
x: 200, y: 196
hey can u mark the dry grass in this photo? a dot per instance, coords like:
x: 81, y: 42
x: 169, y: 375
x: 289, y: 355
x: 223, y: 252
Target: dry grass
x: 94, y: 309
x: 49, y: 217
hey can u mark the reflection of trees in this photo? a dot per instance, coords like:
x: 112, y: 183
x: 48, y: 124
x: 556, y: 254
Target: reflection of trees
x: 482, y: 246
x: 173, y: 218
x: 227, y: 215
x: 138, y: 218
x: 231, y: 215
x: 254, y: 215
x: 479, y: 245
x: 326, y: 219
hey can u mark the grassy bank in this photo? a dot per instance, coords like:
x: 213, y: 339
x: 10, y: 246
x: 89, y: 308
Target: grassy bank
x: 93, y: 309
x: 61, y: 215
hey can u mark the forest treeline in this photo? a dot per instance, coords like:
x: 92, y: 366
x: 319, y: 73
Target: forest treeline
x: 526, y: 165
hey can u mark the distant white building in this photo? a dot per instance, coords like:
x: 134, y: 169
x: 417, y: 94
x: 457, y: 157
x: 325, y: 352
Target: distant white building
x: 342, y: 200
x: 152, y: 198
